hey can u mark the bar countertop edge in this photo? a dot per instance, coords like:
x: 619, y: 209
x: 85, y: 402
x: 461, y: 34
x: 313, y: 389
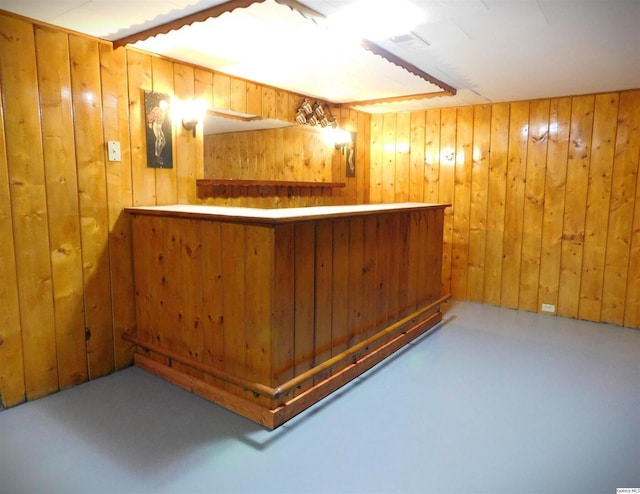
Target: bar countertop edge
x: 277, y: 215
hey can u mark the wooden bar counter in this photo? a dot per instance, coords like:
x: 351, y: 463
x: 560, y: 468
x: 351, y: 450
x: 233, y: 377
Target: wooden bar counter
x: 267, y: 311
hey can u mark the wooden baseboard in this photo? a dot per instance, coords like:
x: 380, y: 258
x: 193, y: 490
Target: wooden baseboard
x: 272, y: 418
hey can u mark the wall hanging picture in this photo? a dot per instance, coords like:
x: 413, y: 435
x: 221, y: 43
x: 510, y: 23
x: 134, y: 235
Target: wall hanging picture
x: 159, y: 130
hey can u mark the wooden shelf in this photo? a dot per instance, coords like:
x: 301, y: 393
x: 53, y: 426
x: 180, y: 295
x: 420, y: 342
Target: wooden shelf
x: 212, y: 182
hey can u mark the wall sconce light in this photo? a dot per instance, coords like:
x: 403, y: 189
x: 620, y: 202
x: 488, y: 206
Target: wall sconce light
x: 192, y: 112
x: 190, y: 124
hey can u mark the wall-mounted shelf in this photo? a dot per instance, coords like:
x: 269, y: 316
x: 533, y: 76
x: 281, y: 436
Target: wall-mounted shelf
x: 222, y: 187
x: 209, y: 182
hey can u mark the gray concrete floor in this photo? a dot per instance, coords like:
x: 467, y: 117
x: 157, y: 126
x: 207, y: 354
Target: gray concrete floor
x: 492, y: 401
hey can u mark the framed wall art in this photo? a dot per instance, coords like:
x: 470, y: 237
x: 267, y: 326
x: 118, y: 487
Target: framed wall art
x: 159, y: 128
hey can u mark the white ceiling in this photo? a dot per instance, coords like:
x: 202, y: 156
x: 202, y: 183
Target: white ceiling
x: 489, y: 50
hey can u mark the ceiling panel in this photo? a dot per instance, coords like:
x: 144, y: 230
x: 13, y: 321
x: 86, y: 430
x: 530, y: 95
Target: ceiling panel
x: 489, y: 50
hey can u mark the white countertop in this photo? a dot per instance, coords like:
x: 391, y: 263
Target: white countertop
x: 277, y: 215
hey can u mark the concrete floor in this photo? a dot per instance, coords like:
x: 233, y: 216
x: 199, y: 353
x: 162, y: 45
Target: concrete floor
x: 492, y: 401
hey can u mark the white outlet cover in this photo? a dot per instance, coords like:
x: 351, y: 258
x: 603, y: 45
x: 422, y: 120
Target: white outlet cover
x: 113, y: 150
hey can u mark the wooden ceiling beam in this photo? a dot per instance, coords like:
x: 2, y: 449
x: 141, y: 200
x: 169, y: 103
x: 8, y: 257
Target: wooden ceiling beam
x: 187, y: 20
x: 378, y: 50
x: 395, y: 99
x: 307, y: 12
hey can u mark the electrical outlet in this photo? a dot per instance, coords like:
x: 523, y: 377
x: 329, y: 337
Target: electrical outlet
x: 548, y: 308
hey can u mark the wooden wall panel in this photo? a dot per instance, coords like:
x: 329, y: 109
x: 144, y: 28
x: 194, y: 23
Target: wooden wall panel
x: 479, y: 196
x: 462, y: 199
x: 446, y: 184
x: 597, y: 207
x: 554, y: 197
x: 166, y: 178
x: 544, y: 213
x: 623, y: 198
x: 12, y: 385
x: 52, y: 49
x: 94, y: 221
x: 496, y: 204
x: 66, y: 296
x: 533, y: 204
x: 575, y: 205
x: 27, y: 189
x: 514, y: 201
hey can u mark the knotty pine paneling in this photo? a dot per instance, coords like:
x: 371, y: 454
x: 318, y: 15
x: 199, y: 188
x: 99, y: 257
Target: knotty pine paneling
x: 544, y: 193
x: 297, y: 154
x: 66, y: 289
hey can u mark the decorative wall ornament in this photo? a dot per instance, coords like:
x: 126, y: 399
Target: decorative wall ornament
x: 315, y: 114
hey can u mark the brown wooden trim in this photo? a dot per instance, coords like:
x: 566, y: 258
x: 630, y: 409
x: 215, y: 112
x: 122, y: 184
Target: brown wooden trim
x: 287, y: 387
x: 212, y: 182
x: 275, y: 417
x: 187, y: 20
x: 378, y: 50
x: 393, y: 99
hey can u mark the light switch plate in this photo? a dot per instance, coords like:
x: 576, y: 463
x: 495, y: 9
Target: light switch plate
x: 113, y: 150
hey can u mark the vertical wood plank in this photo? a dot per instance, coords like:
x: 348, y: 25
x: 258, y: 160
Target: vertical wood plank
x: 496, y: 202
x: 534, y: 204
x: 12, y: 379
x: 446, y: 184
x: 402, y: 158
x: 283, y: 290
x: 143, y: 178
x: 575, y: 205
x: 213, y: 324
x: 355, y: 274
x: 119, y: 195
x: 323, y: 292
x: 597, y: 208
x: 304, y: 269
x: 632, y: 305
x: 27, y: 192
x: 166, y: 179
x: 203, y: 92
x: 233, y: 272
x: 554, y: 199
x: 479, y: 199
x: 375, y: 164
x: 254, y: 99
x: 238, y: 101
x: 389, y: 158
x: 623, y: 190
x: 363, y: 168
x: 186, y: 162
x: 432, y: 156
x: 259, y: 250
x: 462, y: 202
x: 417, y: 154
x: 268, y: 102
x: 62, y: 203
x: 222, y: 92
x: 513, y: 221
x: 94, y: 220
x: 340, y: 287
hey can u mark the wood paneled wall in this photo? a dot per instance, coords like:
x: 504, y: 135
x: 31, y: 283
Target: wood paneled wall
x: 66, y: 290
x: 297, y: 154
x: 545, y: 195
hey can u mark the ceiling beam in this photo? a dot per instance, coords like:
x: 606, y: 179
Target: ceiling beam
x: 187, y: 20
x: 307, y: 12
x: 378, y: 50
x: 395, y: 99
